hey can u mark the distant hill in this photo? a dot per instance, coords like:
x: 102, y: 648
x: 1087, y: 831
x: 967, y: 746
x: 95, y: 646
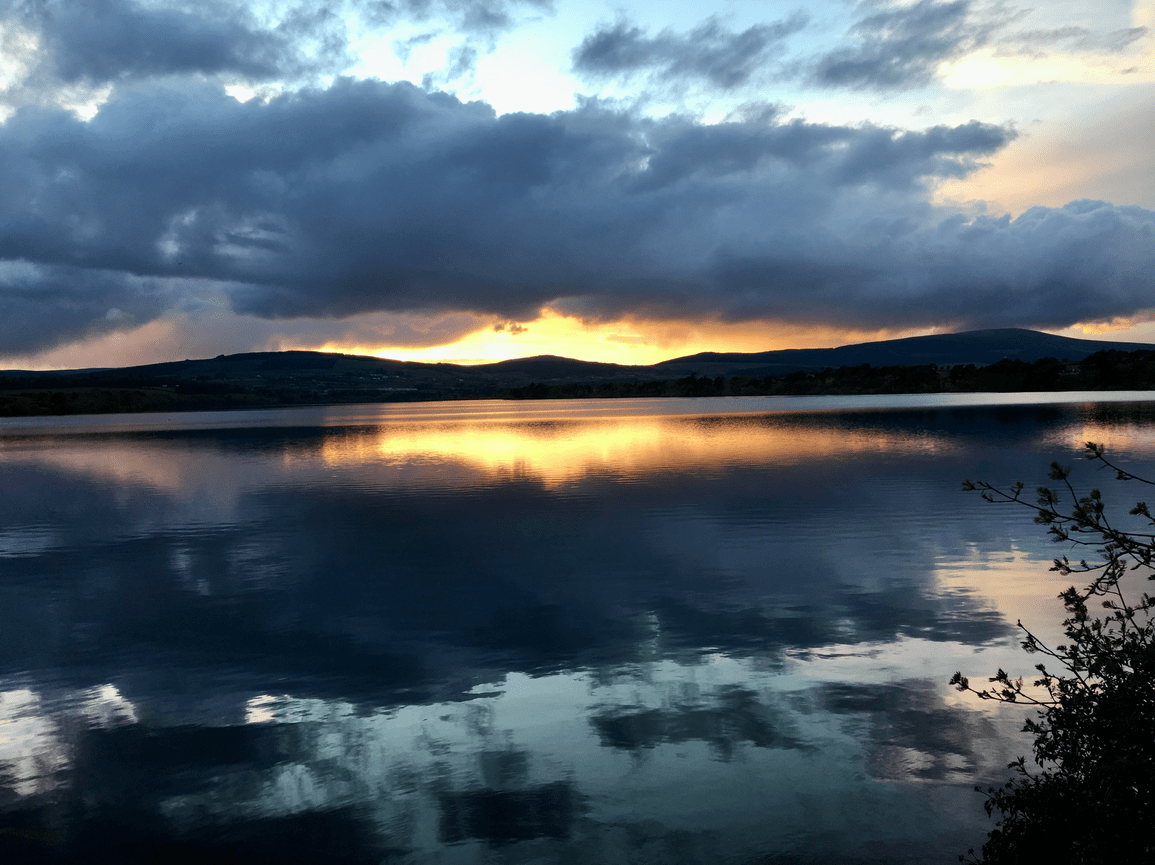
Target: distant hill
x: 256, y: 379
x: 980, y: 347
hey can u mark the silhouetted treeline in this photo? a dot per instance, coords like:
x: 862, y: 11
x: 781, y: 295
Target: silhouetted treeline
x: 111, y: 391
x: 101, y: 393
x: 1104, y: 370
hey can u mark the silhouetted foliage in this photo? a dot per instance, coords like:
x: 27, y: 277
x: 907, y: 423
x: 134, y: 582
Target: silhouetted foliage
x: 1104, y: 370
x: 303, y: 378
x: 1092, y: 796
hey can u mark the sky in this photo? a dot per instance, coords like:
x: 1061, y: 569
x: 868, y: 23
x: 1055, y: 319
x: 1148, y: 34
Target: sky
x: 476, y: 180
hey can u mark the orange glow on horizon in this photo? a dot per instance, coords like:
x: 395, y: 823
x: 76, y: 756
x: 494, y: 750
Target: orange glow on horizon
x: 628, y: 342
x: 1111, y: 325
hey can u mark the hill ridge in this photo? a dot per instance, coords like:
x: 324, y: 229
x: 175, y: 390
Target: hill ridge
x: 980, y: 347
x: 1003, y: 359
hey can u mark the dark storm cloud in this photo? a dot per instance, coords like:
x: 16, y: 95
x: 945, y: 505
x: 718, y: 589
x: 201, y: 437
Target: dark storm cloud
x: 848, y: 155
x: 94, y: 42
x: 98, y: 41
x: 902, y: 47
x: 43, y: 306
x: 709, y: 52
x: 373, y: 197
x: 1050, y: 267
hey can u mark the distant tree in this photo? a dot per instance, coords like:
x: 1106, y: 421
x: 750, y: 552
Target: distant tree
x: 1090, y: 797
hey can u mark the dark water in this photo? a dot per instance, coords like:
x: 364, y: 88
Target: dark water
x: 594, y: 632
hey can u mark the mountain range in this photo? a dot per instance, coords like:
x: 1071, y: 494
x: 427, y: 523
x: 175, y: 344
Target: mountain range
x: 254, y: 379
x: 980, y: 347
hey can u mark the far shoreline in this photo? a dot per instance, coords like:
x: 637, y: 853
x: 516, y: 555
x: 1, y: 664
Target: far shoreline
x: 287, y: 379
x: 807, y: 403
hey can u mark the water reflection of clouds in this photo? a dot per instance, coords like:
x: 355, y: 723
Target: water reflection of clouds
x: 550, y: 758
x: 30, y: 540
x: 30, y: 751
x: 488, y: 642
x: 911, y: 734
x: 493, y: 770
x: 35, y: 746
x: 414, y: 589
x: 733, y: 716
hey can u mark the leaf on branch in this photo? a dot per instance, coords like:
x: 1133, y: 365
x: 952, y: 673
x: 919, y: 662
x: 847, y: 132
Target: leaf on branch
x: 1094, y: 716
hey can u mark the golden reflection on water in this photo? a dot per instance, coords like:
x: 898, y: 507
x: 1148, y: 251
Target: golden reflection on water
x: 553, y: 448
x: 554, y: 442
x: 1119, y: 437
x: 557, y: 452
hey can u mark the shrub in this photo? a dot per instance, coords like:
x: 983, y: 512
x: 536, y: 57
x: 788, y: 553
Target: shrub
x: 1090, y: 797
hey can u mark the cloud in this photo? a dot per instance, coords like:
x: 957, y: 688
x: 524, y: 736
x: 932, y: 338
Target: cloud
x: 480, y: 21
x: 62, y: 44
x: 845, y: 155
x: 369, y: 197
x: 101, y: 41
x: 42, y: 306
x: 403, y: 48
x: 462, y: 64
x: 478, y: 17
x: 1050, y: 266
x: 708, y: 53
x: 1071, y: 38
x: 902, y: 47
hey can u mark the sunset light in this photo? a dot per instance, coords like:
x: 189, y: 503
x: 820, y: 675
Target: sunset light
x: 624, y: 342
x: 446, y: 432
x: 468, y: 182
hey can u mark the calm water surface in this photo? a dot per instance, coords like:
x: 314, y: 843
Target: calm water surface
x: 667, y: 631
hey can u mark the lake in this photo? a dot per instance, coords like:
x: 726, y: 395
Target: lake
x: 631, y: 631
